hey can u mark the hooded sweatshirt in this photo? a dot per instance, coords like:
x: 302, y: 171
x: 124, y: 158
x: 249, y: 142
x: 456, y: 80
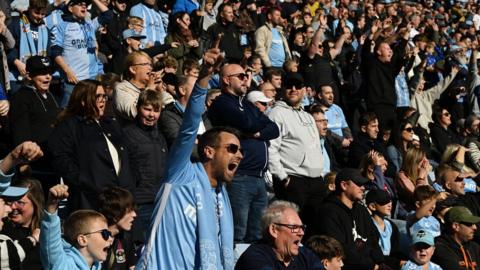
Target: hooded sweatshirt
x: 297, y: 150
x: 353, y: 228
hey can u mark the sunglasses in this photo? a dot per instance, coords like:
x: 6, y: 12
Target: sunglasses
x: 263, y: 103
x: 408, y: 129
x: 233, y: 148
x: 459, y: 179
x: 106, y: 234
x: 468, y: 224
x: 240, y: 76
x: 446, y: 114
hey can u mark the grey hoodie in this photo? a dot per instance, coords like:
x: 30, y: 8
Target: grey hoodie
x: 297, y: 150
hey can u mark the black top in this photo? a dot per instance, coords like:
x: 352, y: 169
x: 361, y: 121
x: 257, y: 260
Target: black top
x: 262, y: 256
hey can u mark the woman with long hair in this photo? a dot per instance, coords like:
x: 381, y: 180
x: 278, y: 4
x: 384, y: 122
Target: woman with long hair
x: 189, y: 45
x: 413, y: 172
x: 402, y: 138
x: 88, y: 149
x: 23, y: 222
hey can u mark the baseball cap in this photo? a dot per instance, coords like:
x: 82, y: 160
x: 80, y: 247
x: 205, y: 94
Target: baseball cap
x: 39, y: 65
x: 461, y: 214
x: 293, y: 79
x: 77, y: 2
x: 423, y: 236
x: 131, y: 33
x: 9, y: 193
x: 378, y: 196
x: 350, y: 174
x: 259, y: 96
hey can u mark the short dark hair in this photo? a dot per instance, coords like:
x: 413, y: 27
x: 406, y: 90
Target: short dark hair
x: 210, y: 138
x: 150, y: 97
x: 317, y: 108
x: 423, y: 193
x: 190, y: 64
x: 37, y: 4
x: 366, y: 118
x: 273, y: 9
x: 325, y: 247
x: 114, y: 203
x: 272, y: 72
x: 437, y: 110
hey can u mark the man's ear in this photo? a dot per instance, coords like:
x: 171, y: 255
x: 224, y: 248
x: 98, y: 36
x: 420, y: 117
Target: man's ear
x: 363, y: 129
x: 209, y: 152
x: 272, y: 229
x: 82, y: 240
x: 417, y: 204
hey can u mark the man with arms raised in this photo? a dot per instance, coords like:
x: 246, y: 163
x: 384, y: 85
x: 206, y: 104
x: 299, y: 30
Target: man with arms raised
x: 192, y: 226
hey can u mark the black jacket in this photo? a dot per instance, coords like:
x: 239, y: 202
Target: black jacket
x: 379, y: 77
x: 32, y: 116
x: 147, y: 150
x: 448, y: 253
x: 80, y: 155
x: 442, y: 137
x: 335, y: 219
x: 237, y: 112
x: 230, y: 42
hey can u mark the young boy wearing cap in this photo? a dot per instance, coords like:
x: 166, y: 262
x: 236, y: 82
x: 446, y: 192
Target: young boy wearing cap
x: 421, y: 252
x: 455, y: 249
x: 33, y: 108
x: 87, y: 238
x: 380, y: 205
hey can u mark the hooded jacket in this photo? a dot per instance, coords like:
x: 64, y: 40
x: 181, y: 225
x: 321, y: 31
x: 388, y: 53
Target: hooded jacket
x: 448, y: 254
x: 353, y: 228
x: 55, y: 252
x: 297, y: 150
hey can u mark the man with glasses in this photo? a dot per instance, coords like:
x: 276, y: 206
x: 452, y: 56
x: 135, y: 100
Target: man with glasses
x: 192, y: 227
x: 247, y: 192
x: 295, y: 157
x: 454, y: 249
x: 321, y: 121
x: 343, y: 217
x: 280, y: 246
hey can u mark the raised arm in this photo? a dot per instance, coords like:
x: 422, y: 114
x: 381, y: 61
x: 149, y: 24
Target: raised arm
x: 181, y: 149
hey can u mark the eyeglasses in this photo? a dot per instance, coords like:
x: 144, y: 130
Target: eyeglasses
x: 143, y: 64
x: 468, y: 224
x: 459, y: 179
x: 291, y: 87
x: 18, y: 203
x: 322, y: 121
x: 265, y: 104
x: 408, y: 129
x: 106, y: 234
x: 240, y: 76
x: 293, y: 227
x: 233, y: 148
x: 447, y: 114
x: 99, y: 97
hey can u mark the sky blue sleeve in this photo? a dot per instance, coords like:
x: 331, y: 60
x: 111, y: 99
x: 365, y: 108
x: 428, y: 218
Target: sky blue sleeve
x: 181, y: 149
x: 56, y: 38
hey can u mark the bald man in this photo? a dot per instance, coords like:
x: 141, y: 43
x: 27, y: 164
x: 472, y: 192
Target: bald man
x: 247, y: 192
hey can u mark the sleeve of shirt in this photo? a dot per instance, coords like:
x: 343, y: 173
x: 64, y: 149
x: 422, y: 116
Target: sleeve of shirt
x: 275, y: 164
x: 56, y: 40
x: 51, y: 248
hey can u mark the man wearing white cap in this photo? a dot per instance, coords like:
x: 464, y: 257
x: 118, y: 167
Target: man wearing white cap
x: 259, y: 99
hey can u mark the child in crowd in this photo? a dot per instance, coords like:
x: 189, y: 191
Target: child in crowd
x: 421, y: 252
x: 87, y: 238
x: 380, y: 205
x: 118, y: 206
x: 328, y: 249
x: 425, y: 198
x: 330, y: 181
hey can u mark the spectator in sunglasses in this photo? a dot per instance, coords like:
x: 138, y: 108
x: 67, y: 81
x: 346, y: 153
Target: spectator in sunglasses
x: 402, y: 138
x: 192, y: 224
x: 440, y: 131
x: 454, y: 249
x: 232, y: 109
x: 280, y: 246
x: 86, y: 236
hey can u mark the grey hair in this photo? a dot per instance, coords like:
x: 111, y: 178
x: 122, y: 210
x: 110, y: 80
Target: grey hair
x: 274, y: 213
